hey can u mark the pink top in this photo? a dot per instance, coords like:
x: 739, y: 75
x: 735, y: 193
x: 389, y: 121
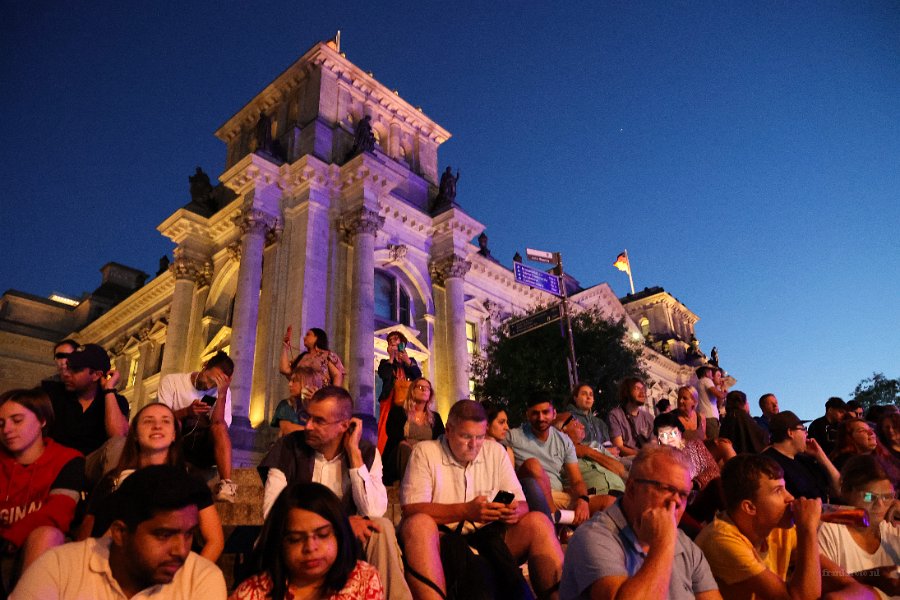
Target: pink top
x: 362, y: 584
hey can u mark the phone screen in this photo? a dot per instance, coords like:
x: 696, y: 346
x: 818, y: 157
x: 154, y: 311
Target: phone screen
x: 401, y: 347
x: 504, y: 497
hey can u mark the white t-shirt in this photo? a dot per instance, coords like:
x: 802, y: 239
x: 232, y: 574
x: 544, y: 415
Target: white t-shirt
x: 836, y: 543
x: 176, y: 391
x: 707, y: 404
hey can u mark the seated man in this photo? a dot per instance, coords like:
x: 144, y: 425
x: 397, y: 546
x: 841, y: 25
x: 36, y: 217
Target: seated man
x: 450, y: 483
x: 330, y: 451
x: 202, y: 402
x: 148, y: 552
x: 808, y: 472
x: 89, y: 415
x: 751, y: 546
x: 601, y: 471
x: 546, y: 455
x: 634, y: 548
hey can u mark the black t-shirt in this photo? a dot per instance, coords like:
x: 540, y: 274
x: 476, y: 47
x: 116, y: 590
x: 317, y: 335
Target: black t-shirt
x: 803, y: 476
x: 84, y: 430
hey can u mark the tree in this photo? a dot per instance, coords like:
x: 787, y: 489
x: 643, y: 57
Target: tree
x: 513, y: 368
x: 877, y: 389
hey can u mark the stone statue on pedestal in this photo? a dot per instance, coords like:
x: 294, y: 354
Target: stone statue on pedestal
x: 447, y: 190
x: 363, y: 138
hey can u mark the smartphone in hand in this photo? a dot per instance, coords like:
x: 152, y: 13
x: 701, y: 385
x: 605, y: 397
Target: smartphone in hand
x: 503, y: 497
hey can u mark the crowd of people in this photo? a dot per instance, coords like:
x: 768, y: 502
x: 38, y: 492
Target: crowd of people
x: 697, y: 500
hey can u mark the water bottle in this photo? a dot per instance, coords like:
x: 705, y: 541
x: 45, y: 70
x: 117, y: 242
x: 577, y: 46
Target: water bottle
x: 845, y: 515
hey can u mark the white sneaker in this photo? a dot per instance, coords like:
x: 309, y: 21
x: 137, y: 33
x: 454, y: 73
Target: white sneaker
x: 226, y: 491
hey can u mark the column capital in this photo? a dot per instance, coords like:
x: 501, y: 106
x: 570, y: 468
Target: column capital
x: 255, y: 221
x: 234, y: 250
x: 361, y: 220
x: 189, y: 267
x: 448, y: 267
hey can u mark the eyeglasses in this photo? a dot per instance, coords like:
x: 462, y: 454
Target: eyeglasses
x: 62, y: 355
x: 799, y: 428
x: 686, y: 496
x: 423, y: 388
x: 668, y: 435
x: 873, y: 497
x: 320, y: 422
x: 566, y: 422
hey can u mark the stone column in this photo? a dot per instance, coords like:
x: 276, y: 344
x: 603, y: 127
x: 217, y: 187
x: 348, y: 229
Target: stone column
x: 448, y: 272
x: 361, y: 224
x: 254, y: 225
x: 187, y: 272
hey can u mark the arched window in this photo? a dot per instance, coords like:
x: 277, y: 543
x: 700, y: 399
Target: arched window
x: 392, y: 305
x: 645, y: 326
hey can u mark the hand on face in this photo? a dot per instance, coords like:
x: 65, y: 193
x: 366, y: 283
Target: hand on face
x: 111, y: 379
x: 658, y: 525
x: 353, y: 434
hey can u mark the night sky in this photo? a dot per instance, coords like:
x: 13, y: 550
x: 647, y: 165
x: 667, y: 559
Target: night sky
x: 747, y: 154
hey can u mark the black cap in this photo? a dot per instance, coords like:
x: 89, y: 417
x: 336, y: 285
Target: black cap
x: 89, y: 356
x: 783, y: 422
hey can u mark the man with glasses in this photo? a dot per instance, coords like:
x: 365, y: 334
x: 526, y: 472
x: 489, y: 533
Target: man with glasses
x: 764, y: 534
x: 634, y: 548
x: 451, y: 486
x: 331, y: 451
x: 808, y: 473
x: 90, y: 416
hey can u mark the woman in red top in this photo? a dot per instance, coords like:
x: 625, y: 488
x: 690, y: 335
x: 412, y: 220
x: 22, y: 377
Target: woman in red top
x: 307, y: 550
x: 42, y: 479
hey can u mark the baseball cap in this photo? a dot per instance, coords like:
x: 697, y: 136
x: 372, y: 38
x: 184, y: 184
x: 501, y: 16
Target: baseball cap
x: 89, y: 356
x: 783, y: 422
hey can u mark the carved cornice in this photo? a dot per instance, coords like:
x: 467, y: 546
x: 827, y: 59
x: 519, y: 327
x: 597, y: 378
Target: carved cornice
x: 397, y: 251
x: 361, y: 220
x: 448, y: 267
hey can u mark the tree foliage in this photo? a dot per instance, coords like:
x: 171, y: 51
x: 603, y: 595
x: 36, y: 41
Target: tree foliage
x: 513, y: 368
x: 877, y: 389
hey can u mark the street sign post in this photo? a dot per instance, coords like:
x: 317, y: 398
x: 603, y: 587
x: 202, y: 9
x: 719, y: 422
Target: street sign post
x: 535, y: 321
x: 541, y: 256
x: 536, y: 278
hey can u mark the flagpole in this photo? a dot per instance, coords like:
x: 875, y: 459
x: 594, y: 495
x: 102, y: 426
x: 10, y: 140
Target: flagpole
x: 630, y: 280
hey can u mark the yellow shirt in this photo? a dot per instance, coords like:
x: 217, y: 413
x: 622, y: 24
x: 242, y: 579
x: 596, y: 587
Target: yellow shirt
x: 732, y: 558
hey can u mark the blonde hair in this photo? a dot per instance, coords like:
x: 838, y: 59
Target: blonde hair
x: 409, y: 405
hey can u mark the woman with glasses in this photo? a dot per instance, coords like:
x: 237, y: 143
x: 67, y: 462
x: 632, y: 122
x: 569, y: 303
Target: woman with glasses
x: 871, y: 554
x: 856, y: 437
x: 413, y: 422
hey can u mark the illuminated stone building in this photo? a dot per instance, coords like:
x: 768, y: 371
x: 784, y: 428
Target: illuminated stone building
x: 305, y: 229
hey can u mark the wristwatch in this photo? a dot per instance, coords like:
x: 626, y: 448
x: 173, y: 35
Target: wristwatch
x: 112, y: 391
x: 585, y: 498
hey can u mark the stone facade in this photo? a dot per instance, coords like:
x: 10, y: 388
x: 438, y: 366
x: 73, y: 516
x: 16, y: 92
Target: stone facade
x: 302, y: 232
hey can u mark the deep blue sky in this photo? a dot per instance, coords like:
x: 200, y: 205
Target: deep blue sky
x: 747, y: 154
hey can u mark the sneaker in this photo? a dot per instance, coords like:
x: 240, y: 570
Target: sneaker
x: 226, y: 491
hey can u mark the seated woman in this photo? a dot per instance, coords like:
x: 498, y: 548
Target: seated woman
x: 871, y: 554
x: 738, y: 426
x: 888, y: 431
x: 316, y: 356
x: 694, y: 423
x: 413, y: 422
x: 41, y: 481
x: 498, y: 426
x: 856, y: 437
x: 154, y: 438
x: 290, y: 414
x: 307, y: 550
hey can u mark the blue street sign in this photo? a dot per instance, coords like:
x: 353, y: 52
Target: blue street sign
x: 536, y: 278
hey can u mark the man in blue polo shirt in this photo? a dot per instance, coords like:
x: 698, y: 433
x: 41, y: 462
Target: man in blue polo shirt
x: 634, y: 548
x: 547, y: 455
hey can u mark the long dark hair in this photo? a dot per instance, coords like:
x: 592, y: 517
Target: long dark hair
x: 268, y: 555
x: 131, y: 452
x: 321, y: 344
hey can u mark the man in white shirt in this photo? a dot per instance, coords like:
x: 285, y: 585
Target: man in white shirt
x: 453, y: 480
x: 709, y: 398
x: 202, y: 402
x: 147, y: 554
x: 331, y: 451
